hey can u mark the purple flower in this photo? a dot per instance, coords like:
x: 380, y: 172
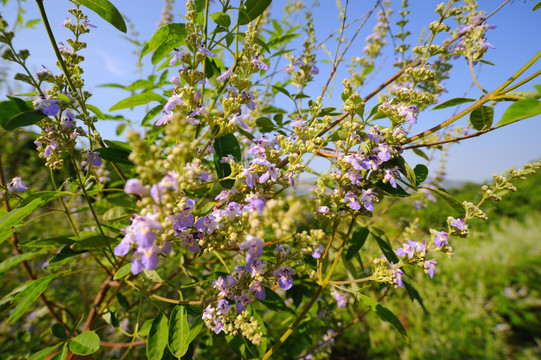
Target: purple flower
x: 350, y: 199
x: 257, y: 267
x: 221, y: 284
x: 272, y: 173
x: 208, y: 313
x: 441, y: 238
x: 257, y: 290
x: 384, y: 152
x: 135, y: 187
x: 223, y: 307
x: 206, y: 51
x: 47, y: 105
x: 225, y: 75
x: 259, y: 63
x: 16, y: 184
x: 430, y: 265
x: 398, y: 274
x: 323, y: 209
x: 298, y: 123
x: 178, y: 56
x: 367, y: 198
x: 174, y: 100
x: 164, y: 119
x: 93, y: 158
x: 391, y: 175
x: 285, y: 280
x: 242, y: 301
x: 460, y: 224
x: 233, y: 210
x: 410, y: 112
x: 371, y: 162
x: 253, y: 247
x: 407, y: 249
x: 341, y: 299
x: 145, y: 259
x: 67, y: 122
x: 318, y: 251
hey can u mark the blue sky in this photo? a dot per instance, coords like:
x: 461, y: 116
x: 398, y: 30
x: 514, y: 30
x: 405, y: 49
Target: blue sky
x: 110, y: 58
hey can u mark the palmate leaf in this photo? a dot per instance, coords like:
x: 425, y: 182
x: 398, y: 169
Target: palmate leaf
x: 107, y: 12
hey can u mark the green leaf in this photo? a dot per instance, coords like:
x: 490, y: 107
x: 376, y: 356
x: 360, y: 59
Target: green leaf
x: 62, y: 354
x: 384, y: 314
x: 26, y: 208
x: 414, y: 295
x: 123, y: 271
x: 42, y: 354
x: 538, y: 88
x: 386, y: 249
x: 116, y: 213
x: 115, y: 155
x: 118, y: 145
x: 151, y: 114
x: 421, y: 173
x: 110, y: 316
x: 179, y: 330
x: 195, y: 329
x: 482, y: 117
x: 8, y: 109
x: 107, y: 12
x: 25, y: 298
x: 536, y: 6
x: 59, y: 331
x: 441, y: 192
x: 164, y: 40
x: 405, y: 169
x: 224, y: 146
x: 85, y: 343
x: 357, y: 241
x: 519, y: 110
x: 93, y: 242
x: 264, y: 124
x: 48, y: 242
x: 421, y: 154
x: 96, y: 111
x: 274, y: 302
x: 64, y: 254
x: 157, y: 338
x: 21, y: 119
x: 389, y: 190
x: 23, y: 105
x: 136, y: 100
x: 17, y: 259
x: 254, y: 8
x: 452, y: 102
x: 221, y: 18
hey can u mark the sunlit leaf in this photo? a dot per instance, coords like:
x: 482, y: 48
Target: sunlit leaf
x: 452, y: 102
x: 520, y: 110
x: 106, y: 11
x: 384, y: 314
x: 482, y: 117
x: 136, y: 100
x: 85, y: 343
